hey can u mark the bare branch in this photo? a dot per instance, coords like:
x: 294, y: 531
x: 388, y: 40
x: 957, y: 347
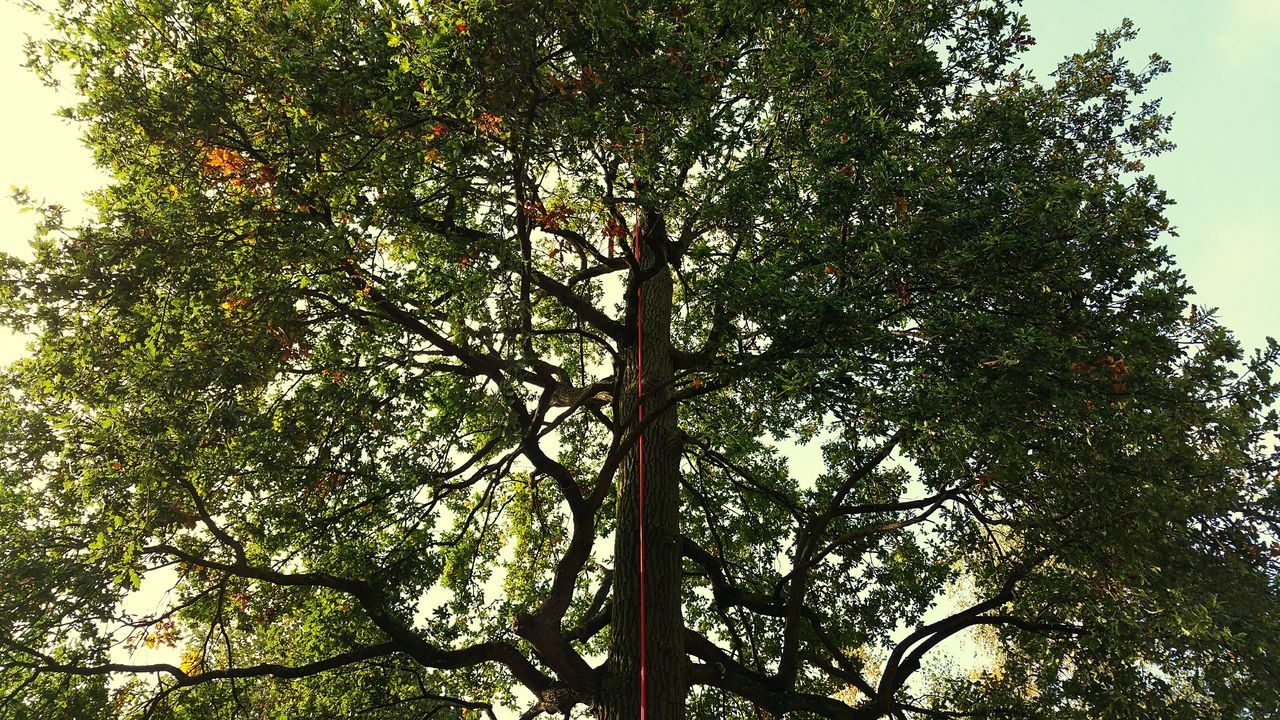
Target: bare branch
x: 720, y: 670
x: 47, y: 664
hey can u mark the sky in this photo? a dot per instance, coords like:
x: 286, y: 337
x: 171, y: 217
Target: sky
x: 1224, y: 93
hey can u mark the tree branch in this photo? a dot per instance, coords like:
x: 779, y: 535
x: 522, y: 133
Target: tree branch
x: 184, y: 679
x: 375, y: 608
x: 898, y: 668
x: 722, y: 671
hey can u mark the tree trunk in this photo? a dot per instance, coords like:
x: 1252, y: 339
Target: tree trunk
x: 664, y: 624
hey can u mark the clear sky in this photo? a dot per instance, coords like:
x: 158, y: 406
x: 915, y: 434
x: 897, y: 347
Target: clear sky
x: 1224, y: 92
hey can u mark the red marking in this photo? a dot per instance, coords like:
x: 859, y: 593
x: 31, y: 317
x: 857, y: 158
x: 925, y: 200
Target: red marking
x: 640, y: 449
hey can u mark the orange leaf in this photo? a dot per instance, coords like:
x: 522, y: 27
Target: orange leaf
x: 488, y: 123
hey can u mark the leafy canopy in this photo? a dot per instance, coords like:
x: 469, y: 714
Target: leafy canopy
x: 324, y: 399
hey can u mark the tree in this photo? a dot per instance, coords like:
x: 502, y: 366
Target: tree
x: 336, y: 402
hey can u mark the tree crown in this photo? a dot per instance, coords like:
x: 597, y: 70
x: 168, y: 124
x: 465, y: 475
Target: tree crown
x: 345, y: 363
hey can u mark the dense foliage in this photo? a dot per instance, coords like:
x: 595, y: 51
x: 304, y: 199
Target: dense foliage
x: 332, y: 407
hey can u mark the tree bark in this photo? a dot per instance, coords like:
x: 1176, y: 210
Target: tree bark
x: 665, y: 658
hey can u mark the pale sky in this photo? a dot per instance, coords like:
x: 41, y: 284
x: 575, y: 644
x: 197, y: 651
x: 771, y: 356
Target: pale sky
x: 1224, y: 92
